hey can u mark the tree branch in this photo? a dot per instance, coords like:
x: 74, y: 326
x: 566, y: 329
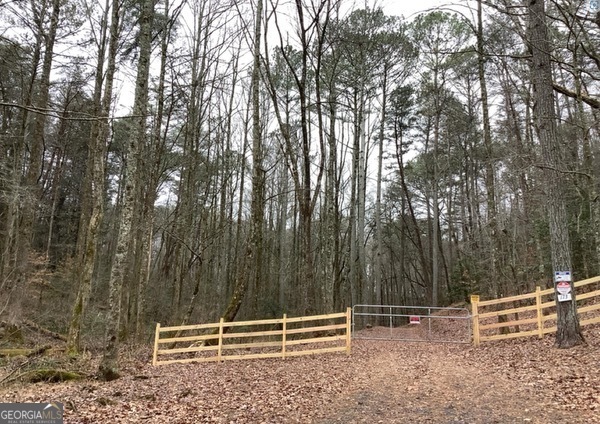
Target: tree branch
x: 53, y: 114
x: 590, y: 101
x: 564, y: 171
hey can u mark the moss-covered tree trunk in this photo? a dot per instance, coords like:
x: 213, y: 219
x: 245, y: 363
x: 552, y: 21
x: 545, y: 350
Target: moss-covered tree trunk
x: 109, y: 366
x: 94, y: 180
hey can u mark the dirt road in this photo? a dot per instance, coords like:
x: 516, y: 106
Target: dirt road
x: 428, y: 383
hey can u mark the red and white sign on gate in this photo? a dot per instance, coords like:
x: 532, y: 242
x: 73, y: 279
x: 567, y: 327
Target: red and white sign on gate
x: 414, y: 319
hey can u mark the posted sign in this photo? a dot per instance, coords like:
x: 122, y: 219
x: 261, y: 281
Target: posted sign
x: 562, y: 279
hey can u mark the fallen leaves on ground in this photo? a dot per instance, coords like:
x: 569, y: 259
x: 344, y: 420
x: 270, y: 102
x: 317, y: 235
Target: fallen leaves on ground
x: 522, y: 380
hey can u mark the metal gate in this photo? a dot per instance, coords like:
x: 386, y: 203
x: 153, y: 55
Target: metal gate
x: 411, y: 323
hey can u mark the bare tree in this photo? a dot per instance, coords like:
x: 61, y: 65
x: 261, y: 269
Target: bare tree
x: 298, y: 146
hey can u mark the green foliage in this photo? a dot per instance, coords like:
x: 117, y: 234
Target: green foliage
x: 443, y: 39
x: 401, y: 116
x: 371, y: 44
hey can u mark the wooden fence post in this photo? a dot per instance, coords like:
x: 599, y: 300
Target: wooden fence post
x: 220, y: 350
x: 348, y: 329
x: 538, y: 304
x: 475, y: 313
x: 156, y: 336
x: 283, y: 335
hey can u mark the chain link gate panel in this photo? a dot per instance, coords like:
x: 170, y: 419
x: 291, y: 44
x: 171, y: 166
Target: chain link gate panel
x: 411, y: 323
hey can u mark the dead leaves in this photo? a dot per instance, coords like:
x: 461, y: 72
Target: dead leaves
x: 269, y: 391
x: 567, y: 378
x: 523, y: 380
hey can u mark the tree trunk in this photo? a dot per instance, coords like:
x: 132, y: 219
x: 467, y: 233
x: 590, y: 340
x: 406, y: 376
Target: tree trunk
x: 93, y: 186
x: 332, y: 284
x: 489, y: 160
x: 569, y: 332
x: 378, y: 237
x: 35, y: 134
x: 435, y: 267
x: 109, y: 366
x: 253, y: 253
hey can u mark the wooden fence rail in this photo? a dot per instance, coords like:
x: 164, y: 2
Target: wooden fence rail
x: 277, y: 338
x: 533, y: 314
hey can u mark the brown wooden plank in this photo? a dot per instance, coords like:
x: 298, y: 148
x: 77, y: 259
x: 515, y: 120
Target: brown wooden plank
x: 588, y: 308
x: 251, y: 356
x: 548, y: 304
x: 509, y: 336
x: 538, y: 312
x: 186, y: 349
x: 590, y: 321
x: 189, y: 327
x: 587, y: 281
x: 546, y: 292
x: 251, y: 323
x: 317, y: 317
x: 348, y: 330
x: 251, y: 345
x: 283, y: 335
x: 188, y: 360
x: 253, y: 334
x: 584, y: 296
x: 220, y: 344
x: 508, y: 324
x: 188, y: 338
x: 319, y: 328
x: 316, y: 351
x: 156, y: 338
x: 475, y: 312
x: 507, y: 299
x: 316, y: 340
x: 506, y: 311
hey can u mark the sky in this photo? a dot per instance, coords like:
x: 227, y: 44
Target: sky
x: 407, y: 8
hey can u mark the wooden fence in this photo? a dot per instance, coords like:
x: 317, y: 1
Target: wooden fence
x: 531, y: 314
x: 273, y: 338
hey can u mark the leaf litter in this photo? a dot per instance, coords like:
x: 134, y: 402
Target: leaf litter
x: 517, y: 381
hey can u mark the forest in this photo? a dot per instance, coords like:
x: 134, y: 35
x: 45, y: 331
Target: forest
x: 178, y: 161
